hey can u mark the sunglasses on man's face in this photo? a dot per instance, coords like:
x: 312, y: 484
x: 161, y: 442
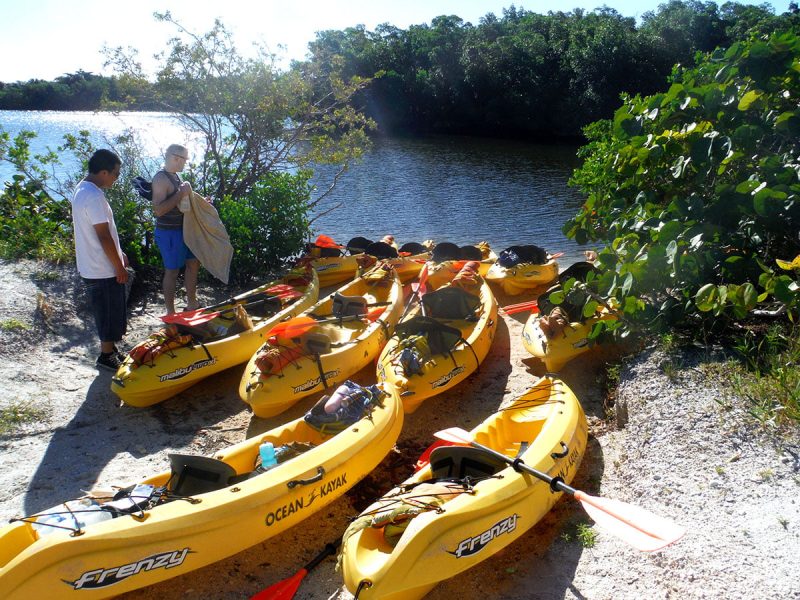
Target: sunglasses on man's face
x: 179, y: 156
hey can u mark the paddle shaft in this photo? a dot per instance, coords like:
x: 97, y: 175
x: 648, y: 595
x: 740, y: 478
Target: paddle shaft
x: 555, y: 483
x: 558, y: 485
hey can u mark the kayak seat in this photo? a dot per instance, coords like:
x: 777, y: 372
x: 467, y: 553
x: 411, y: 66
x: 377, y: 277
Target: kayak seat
x: 463, y: 461
x: 451, y: 303
x: 316, y: 343
x: 192, y: 474
x: 348, y: 306
x: 412, y: 248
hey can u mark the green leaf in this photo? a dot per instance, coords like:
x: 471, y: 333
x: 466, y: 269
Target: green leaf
x: 706, y: 297
x: 590, y: 308
x: 557, y: 297
x: 750, y: 98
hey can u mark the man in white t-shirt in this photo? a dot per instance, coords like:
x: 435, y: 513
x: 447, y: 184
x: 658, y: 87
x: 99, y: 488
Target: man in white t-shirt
x: 100, y: 259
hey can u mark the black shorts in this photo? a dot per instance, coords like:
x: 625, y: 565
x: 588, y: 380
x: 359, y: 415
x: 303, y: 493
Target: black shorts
x: 107, y: 302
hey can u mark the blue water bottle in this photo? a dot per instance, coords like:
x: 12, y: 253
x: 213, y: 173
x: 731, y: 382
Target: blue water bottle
x: 268, y: 459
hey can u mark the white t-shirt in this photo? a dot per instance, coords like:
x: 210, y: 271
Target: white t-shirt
x: 89, y: 208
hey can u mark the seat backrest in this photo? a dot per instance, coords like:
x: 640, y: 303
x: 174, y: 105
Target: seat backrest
x: 316, y: 343
x: 358, y: 244
x: 462, y: 461
x: 347, y: 306
x: 470, y: 253
x: 413, y: 248
x: 441, y: 338
x: 193, y: 474
x: 445, y: 251
x: 381, y: 250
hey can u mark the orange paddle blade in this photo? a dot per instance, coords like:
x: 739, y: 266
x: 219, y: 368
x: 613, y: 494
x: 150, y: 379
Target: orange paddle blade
x: 634, y: 525
x: 299, y: 325
x: 556, y: 255
x: 325, y: 241
x: 283, y: 590
x: 532, y: 306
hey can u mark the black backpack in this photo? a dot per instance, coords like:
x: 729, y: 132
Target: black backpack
x: 143, y: 187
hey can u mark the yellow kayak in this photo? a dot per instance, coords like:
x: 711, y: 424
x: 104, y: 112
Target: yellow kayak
x: 328, y: 343
x: 201, y: 511
x: 335, y: 269
x: 196, y: 345
x: 440, y: 342
x: 523, y: 277
x: 466, y: 505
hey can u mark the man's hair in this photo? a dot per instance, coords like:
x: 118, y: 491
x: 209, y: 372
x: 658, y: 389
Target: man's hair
x: 174, y: 149
x: 103, y: 160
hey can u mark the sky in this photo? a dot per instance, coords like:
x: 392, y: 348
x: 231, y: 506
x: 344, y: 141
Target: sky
x: 43, y: 39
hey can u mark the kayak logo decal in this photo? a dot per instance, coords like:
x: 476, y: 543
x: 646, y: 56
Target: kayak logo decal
x: 100, y: 578
x: 298, y: 504
x: 473, y: 545
x: 312, y: 383
x: 184, y: 371
x: 445, y: 378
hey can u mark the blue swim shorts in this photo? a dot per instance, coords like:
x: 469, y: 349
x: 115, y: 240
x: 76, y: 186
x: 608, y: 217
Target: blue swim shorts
x: 174, y: 252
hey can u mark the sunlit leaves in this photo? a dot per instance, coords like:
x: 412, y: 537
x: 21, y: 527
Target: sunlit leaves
x: 702, y: 222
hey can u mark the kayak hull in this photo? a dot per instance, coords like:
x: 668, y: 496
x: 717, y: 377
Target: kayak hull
x: 471, y: 527
x: 354, y: 344
x: 177, y: 370
x: 524, y: 277
x: 557, y: 351
x: 442, y: 372
x: 130, y: 552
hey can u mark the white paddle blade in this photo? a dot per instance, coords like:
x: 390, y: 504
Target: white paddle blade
x: 454, y: 435
x: 634, y: 525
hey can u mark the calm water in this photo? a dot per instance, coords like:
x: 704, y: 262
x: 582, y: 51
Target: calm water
x: 456, y: 189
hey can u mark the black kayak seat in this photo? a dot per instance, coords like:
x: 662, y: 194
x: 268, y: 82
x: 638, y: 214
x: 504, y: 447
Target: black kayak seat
x: 579, y: 270
x: 413, y: 248
x: 348, y: 306
x: 192, y: 474
x: 444, y: 251
x: 358, y: 244
x: 470, y: 253
x: 450, y: 303
x: 515, y: 255
x: 381, y: 250
x: 464, y: 461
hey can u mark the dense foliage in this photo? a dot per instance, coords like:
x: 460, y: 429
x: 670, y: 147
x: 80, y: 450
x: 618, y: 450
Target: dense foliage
x: 522, y: 75
x: 527, y: 74
x: 267, y: 224
x: 72, y: 91
x: 695, y: 192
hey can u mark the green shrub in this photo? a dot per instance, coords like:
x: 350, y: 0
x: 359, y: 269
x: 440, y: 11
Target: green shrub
x: 268, y: 225
x: 33, y: 225
x: 695, y: 192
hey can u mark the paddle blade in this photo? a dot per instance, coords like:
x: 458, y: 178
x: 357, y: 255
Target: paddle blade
x: 293, y: 327
x: 634, y: 525
x: 454, y: 435
x: 556, y: 255
x: 531, y: 306
x: 283, y: 590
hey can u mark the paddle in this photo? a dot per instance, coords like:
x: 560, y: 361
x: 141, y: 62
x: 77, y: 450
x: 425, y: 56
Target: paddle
x: 286, y: 589
x: 299, y: 325
x: 634, y: 525
x: 416, y: 287
x: 531, y: 305
x: 555, y: 256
